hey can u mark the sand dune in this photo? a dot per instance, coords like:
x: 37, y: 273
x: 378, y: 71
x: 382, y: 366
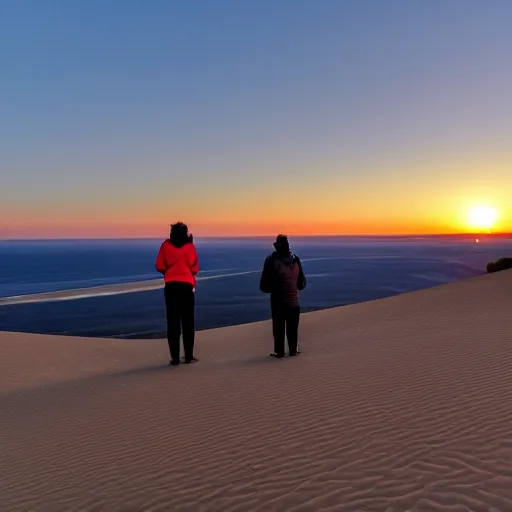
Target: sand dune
x: 403, y: 404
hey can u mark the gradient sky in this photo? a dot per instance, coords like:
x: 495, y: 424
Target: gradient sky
x: 253, y: 117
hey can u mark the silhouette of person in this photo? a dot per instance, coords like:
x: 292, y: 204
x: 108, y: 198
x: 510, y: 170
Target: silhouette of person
x: 283, y: 277
x: 177, y: 261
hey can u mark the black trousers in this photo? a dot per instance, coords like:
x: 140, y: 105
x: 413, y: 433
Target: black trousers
x: 285, y: 321
x: 180, y: 309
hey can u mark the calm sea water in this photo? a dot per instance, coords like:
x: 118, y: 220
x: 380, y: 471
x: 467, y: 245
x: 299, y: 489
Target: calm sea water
x: 339, y: 270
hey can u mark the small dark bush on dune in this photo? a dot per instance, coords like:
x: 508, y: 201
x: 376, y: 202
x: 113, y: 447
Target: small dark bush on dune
x: 501, y: 264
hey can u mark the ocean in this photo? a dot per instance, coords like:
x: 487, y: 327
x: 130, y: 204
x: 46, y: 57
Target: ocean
x: 340, y: 270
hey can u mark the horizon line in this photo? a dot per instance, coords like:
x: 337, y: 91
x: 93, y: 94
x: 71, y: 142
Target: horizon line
x: 235, y: 237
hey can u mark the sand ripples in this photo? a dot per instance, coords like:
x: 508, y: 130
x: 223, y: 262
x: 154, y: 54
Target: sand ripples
x: 397, y: 405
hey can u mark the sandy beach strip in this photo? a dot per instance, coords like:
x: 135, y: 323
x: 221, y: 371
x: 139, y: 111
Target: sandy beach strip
x: 402, y: 404
x: 103, y: 291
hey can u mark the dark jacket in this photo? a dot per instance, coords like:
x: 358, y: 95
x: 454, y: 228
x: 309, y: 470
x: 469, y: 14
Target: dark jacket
x: 283, y: 277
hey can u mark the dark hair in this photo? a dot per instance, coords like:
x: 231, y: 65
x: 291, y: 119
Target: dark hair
x: 179, y: 235
x: 282, y: 245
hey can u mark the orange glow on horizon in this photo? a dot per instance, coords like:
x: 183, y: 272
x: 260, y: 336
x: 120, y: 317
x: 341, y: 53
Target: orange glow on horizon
x: 372, y: 215
x: 434, y: 196
x: 229, y: 229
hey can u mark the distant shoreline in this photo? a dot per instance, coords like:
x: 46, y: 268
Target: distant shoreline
x: 157, y: 284
x: 101, y: 291
x: 110, y: 288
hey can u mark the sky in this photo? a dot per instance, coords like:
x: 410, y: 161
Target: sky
x: 253, y: 117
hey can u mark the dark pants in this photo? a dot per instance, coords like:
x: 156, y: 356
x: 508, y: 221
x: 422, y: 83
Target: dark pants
x: 285, y: 320
x: 180, y: 309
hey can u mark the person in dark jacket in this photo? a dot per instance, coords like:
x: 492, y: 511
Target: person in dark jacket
x: 283, y: 278
x: 177, y: 262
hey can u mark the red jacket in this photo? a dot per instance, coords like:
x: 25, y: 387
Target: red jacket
x: 178, y: 263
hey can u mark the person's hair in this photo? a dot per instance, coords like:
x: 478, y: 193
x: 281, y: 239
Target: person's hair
x: 282, y: 244
x: 179, y: 235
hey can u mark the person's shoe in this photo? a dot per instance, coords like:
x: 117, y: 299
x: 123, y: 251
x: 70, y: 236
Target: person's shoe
x: 191, y: 360
x: 295, y: 353
x: 277, y: 356
x: 172, y: 362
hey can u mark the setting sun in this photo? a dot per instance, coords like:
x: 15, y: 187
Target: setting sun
x: 482, y: 217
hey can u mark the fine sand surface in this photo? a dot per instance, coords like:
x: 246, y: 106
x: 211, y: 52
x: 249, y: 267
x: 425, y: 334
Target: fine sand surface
x: 396, y: 405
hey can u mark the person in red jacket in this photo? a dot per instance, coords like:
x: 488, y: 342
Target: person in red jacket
x: 177, y: 262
